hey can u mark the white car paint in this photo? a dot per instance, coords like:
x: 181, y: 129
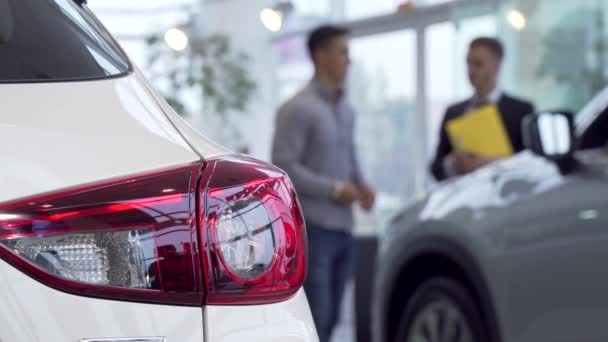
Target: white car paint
x: 59, y: 135
x: 32, y: 312
x: 69, y: 134
x: 288, y: 321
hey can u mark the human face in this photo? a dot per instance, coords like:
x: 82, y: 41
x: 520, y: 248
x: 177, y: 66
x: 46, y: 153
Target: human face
x: 333, y: 61
x: 483, y: 68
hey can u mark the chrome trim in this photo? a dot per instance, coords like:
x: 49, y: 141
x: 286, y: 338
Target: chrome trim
x: 125, y: 339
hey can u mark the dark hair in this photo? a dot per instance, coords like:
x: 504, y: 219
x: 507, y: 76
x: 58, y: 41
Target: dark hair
x: 323, y: 36
x: 492, y: 44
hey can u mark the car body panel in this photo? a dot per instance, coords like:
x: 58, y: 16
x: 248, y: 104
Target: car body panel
x: 60, y: 135
x: 289, y: 321
x: 546, y: 279
x: 34, y: 312
x: 537, y: 238
x: 96, y: 131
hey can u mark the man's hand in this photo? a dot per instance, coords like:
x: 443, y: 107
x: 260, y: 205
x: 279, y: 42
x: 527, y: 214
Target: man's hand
x: 466, y: 161
x: 368, y: 197
x: 347, y: 194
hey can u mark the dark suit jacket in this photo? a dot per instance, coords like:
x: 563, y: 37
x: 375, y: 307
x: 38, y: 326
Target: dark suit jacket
x: 512, y: 111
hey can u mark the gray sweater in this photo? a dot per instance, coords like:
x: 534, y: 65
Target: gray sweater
x: 313, y: 143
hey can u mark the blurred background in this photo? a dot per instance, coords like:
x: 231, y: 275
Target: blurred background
x: 227, y: 65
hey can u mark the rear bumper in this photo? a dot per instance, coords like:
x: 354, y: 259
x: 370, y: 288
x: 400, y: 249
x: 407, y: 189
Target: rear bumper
x: 289, y: 321
x: 31, y: 311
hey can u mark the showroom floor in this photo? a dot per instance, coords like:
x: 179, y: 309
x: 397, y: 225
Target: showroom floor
x: 345, y: 330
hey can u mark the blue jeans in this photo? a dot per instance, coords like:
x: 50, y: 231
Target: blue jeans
x: 331, y: 257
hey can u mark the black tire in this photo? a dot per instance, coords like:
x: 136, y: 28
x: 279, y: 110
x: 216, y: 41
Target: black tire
x: 444, y: 291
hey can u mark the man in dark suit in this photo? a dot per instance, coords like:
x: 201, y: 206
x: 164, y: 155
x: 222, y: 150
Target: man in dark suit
x: 483, y: 61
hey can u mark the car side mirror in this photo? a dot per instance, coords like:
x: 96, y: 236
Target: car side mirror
x: 551, y: 134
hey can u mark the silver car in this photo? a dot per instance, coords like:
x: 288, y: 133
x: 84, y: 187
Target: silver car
x: 515, y: 252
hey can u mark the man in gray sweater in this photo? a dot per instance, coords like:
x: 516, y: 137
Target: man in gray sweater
x: 314, y: 144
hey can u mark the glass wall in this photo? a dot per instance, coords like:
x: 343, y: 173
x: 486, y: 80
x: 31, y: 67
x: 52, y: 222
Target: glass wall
x: 559, y: 57
x: 294, y: 69
x: 556, y: 54
x: 383, y: 91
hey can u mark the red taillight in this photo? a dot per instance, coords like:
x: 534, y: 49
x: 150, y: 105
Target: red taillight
x: 133, y: 239
x: 137, y: 239
x: 253, y: 233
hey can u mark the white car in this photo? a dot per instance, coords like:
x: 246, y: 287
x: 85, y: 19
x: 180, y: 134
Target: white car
x: 118, y: 222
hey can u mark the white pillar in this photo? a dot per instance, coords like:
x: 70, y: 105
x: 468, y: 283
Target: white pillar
x: 421, y: 160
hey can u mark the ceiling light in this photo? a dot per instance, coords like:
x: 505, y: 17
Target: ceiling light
x: 516, y: 19
x: 176, y: 39
x: 272, y: 19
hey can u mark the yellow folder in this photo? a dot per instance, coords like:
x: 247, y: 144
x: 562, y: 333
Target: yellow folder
x: 481, y: 131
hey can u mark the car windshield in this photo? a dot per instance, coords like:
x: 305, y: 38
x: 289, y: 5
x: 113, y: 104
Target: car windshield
x: 591, y: 122
x: 54, y: 40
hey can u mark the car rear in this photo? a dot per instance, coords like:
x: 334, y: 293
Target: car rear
x: 117, y: 222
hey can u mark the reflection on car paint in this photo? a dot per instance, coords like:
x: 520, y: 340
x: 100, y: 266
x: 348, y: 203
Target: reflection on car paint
x: 497, y: 185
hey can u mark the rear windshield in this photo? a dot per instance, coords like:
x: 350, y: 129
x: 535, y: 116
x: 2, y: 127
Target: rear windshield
x: 55, y: 40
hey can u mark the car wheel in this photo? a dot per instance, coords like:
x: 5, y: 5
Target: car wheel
x: 441, y: 310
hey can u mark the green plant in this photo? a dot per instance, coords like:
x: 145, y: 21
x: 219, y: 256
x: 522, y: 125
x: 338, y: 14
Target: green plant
x: 210, y: 66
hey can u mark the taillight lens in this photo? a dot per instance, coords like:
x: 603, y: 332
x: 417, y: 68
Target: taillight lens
x: 253, y: 231
x: 132, y: 239
x: 137, y: 239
